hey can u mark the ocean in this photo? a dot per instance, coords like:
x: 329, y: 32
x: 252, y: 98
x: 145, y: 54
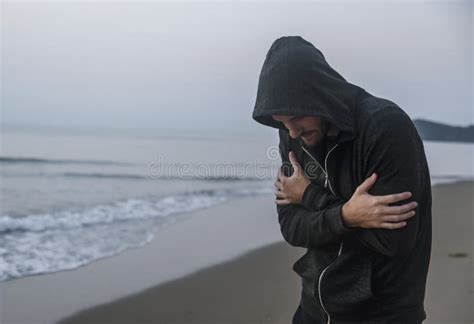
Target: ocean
x: 69, y: 198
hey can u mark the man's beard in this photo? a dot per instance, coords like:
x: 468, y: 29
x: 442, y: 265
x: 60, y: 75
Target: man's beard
x: 318, y: 136
x: 316, y: 144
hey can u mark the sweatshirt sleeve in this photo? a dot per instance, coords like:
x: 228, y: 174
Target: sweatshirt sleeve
x: 395, y: 152
x: 303, y: 227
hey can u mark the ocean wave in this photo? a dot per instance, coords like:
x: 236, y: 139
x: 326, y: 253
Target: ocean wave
x: 122, y: 211
x: 445, y: 179
x: 68, y: 239
x: 171, y: 177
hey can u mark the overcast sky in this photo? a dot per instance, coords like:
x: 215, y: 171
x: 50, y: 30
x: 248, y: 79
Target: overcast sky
x: 194, y: 66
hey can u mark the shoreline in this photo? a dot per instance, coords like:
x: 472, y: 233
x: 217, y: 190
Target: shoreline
x: 264, y: 289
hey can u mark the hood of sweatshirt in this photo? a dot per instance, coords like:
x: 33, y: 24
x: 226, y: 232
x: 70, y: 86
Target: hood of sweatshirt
x: 296, y: 80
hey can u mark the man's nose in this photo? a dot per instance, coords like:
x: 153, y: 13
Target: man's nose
x: 294, y: 132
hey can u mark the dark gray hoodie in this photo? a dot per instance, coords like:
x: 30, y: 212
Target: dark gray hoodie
x: 349, y: 275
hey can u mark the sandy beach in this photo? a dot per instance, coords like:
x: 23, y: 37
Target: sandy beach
x: 257, y: 287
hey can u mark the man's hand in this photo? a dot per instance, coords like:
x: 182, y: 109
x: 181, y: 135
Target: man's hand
x: 290, y: 190
x: 367, y: 211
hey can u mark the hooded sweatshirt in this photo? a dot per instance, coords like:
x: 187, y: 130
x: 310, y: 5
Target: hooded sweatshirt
x: 349, y: 275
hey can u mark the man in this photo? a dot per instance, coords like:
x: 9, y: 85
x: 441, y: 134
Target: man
x: 354, y: 190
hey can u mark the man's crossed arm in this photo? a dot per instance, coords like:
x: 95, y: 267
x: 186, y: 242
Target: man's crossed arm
x: 313, y: 217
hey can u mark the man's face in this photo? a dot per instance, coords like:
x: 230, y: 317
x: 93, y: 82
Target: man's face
x: 310, y: 129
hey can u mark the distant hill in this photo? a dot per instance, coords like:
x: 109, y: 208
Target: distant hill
x: 432, y: 131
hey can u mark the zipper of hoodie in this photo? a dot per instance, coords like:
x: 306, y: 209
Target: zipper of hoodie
x: 326, y: 175
x: 320, y: 280
x: 326, y: 183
